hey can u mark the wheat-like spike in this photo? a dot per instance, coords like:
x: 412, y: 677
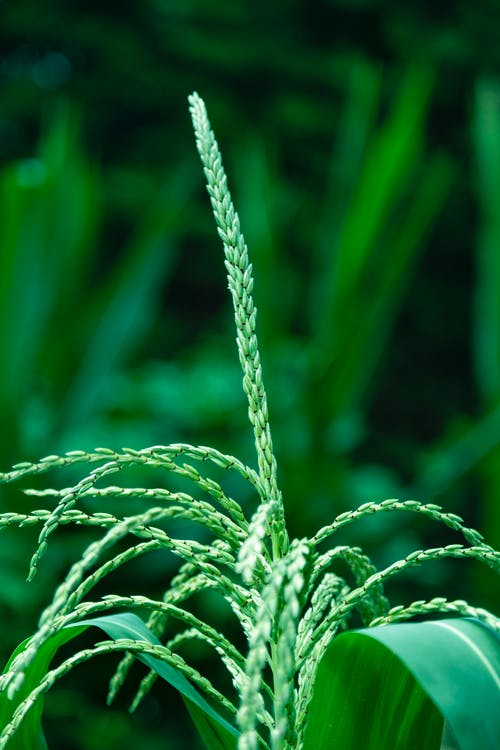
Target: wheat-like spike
x: 202, y: 556
x: 430, y: 510
x: 240, y: 280
x: 70, y: 496
x: 326, y: 592
x: 189, y: 508
x: 254, y: 558
x: 156, y: 455
x: 101, y: 519
x: 37, y: 517
x: 434, y: 606
x: 48, y: 463
x: 137, y: 550
x: 113, y: 601
x: 272, y: 641
x: 298, y: 560
x: 215, y: 641
x: 362, y: 568
x: 203, y: 512
x: 251, y: 699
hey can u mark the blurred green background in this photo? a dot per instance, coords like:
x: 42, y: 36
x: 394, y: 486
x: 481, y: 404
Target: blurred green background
x: 362, y: 142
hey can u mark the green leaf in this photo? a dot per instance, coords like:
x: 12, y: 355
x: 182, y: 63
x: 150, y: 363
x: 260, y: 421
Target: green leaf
x: 487, y: 300
x: 363, y: 698
x: 30, y: 735
x: 393, y: 687
x: 216, y: 732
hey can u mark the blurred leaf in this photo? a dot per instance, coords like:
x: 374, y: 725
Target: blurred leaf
x: 371, y: 260
x: 66, y: 331
x: 356, y: 128
x: 487, y: 291
x: 384, y: 292
x: 49, y: 216
x: 122, y: 310
x: 451, y: 458
x: 72, y: 205
x: 487, y: 297
x: 388, y: 167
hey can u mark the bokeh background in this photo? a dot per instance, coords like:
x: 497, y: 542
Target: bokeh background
x: 362, y: 142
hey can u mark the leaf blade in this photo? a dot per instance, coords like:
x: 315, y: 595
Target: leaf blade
x: 455, y: 664
x: 217, y: 733
x: 464, y: 649
x: 375, y: 709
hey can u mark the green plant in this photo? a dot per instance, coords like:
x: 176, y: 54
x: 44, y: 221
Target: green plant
x: 293, y: 668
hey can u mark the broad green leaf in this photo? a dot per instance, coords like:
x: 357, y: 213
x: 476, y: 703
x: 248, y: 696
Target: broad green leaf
x: 364, y: 699
x: 30, y: 735
x: 393, y: 687
x: 217, y: 733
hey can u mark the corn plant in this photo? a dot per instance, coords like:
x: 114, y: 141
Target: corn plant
x: 303, y: 675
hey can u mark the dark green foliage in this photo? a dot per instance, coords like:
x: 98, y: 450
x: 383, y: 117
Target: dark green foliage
x: 299, y: 94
